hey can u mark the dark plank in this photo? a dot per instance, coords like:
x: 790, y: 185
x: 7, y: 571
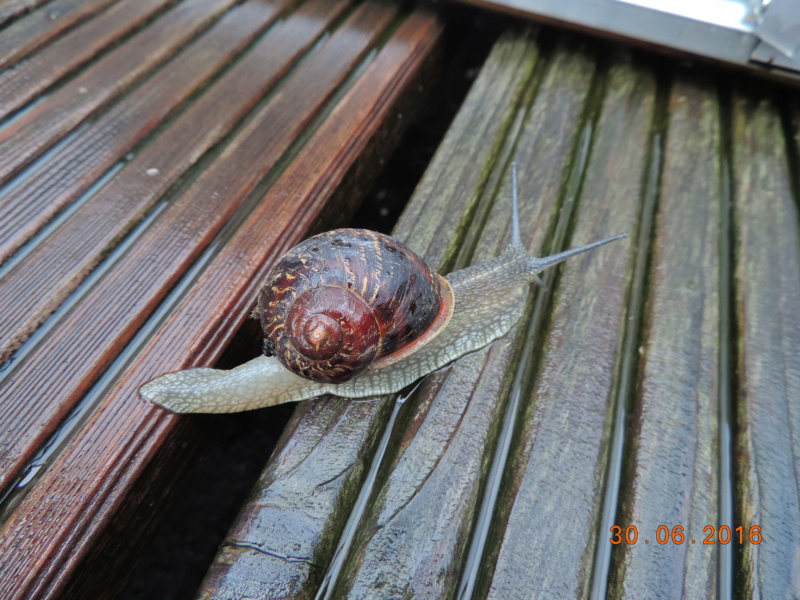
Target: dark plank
x: 247, y: 567
x: 124, y: 434
x: 90, y: 336
x: 69, y: 254
x: 447, y: 199
x: 547, y: 515
x: 34, y: 131
x: 284, y: 538
x: 87, y: 155
x: 767, y: 290
x: 22, y: 83
x: 37, y: 28
x: 674, y: 441
x: 415, y: 536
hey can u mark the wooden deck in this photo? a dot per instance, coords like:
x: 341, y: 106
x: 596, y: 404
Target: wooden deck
x: 157, y: 157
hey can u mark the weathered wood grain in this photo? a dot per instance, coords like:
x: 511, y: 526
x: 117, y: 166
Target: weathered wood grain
x: 544, y: 532
x: 124, y: 435
x: 418, y: 535
x: 37, y: 28
x: 11, y: 9
x: 88, y: 154
x: 767, y: 290
x: 413, y: 536
x: 22, y: 83
x: 68, y: 255
x: 413, y: 540
x: 284, y: 538
x: 673, y: 451
x: 88, y: 338
x: 252, y: 571
x: 447, y: 197
x: 32, y: 132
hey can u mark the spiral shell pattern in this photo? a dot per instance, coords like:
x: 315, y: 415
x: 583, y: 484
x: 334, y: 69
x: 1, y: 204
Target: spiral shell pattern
x: 348, y: 299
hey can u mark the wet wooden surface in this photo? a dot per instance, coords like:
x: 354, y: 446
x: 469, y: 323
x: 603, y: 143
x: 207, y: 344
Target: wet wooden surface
x: 39, y: 27
x: 78, y: 245
x: 43, y: 69
x: 334, y: 117
x: 766, y: 237
x: 39, y: 128
x: 654, y: 382
x: 560, y: 458
x: 83, y: 158
x: 93, y: 333
x: 673, y: 479
x: 614, y: 403
x: 10, y: 9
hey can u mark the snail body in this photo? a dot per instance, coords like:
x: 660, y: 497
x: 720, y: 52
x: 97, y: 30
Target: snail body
x: 457, y: 314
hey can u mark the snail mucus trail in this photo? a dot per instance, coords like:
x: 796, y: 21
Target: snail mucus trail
x: 487, y: 300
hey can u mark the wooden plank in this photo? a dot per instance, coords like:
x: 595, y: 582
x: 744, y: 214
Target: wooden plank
x: 673, y: 454
x: 124, y: 434
x: 447, y: 198
x: 61, y: 178
x: 39, y: 27
x: 767, y: 290
x: 11, y: 9
x: 66, y: 363
x: 28, y: 135
x: 327, y: 442
x: 557, y: 466
x: 242, y: 563
x: 22, y: 83
x: 415, y: 536
x: 69, y: 254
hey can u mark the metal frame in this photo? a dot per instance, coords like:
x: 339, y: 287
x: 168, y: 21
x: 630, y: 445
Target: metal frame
x: 762, y: 37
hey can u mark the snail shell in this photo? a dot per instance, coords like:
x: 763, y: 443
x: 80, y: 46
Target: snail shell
x: 350, y: 299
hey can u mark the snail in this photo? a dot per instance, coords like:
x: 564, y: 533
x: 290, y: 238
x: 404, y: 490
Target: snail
x: 355, y: 313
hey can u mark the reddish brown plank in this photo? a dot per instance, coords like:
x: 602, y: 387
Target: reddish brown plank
x: 70, y: 359
x: 767, y: 296
x: 65, y: 257
x: 61, y: 178
x: 674, y: 441
x: 125, y: 434
x: 31, y: 133
x: 22, y: 83
x: 543, y: 535
x: 37, y: 28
